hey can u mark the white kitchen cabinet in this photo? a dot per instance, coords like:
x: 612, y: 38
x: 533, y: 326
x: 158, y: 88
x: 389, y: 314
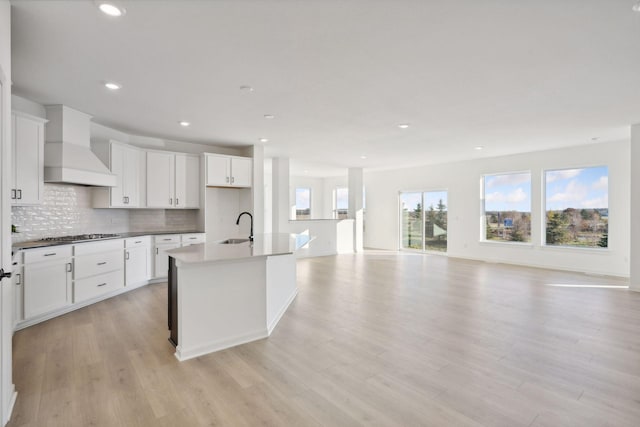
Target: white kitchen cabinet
x: 161, y: 265
x: 187, y: 184
x: 160, y: 179
x: 124, y: 161
x: 27, y: 184
x: 17, y: 282
x: 193, y: 239
x: 99, y: 269
x: 228, y: 171
x: 47, y: 280
x: 173, y: 180
x: 137, y: 260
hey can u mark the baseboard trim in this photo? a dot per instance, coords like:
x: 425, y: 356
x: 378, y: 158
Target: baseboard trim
x: 271, y: 326
x: 183, y: 354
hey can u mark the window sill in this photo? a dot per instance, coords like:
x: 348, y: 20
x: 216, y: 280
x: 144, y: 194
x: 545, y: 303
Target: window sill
x: 527, y: 245
x: 576, y: 249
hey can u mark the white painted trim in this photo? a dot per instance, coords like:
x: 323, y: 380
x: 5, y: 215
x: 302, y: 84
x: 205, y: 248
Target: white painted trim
x: 271, y: 326
x: 183, y: 354
x: 12, y: 404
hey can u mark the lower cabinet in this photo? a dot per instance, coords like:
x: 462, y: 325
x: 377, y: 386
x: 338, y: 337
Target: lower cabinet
x: 47, y: 280
x: 137, y: 266
x: 162, y: 259
x: 99, y: 269
x: 95, y: 286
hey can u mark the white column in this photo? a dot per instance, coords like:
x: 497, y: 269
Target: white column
x: 257, y: 190
x: 280, y: 191
x: 634, y: 256
x: 356, y: 190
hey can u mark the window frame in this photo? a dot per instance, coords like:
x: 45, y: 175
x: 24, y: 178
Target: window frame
x: 295, y: 192
x: 543, y: 223
x: 483, y: 209
x: 400, y: 221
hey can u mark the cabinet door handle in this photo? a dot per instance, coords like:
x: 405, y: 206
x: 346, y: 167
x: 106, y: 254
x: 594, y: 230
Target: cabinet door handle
x: 126, y: 255
x: 176, y: 201
x: 127, y: 199
x: 166, y: 240
x: 102, y: 284
x: 18, y: 279
x: 156, y: 251
x: 51, y: 254
x: 102, y: 263
x: 13, y: 194
x: 69, y: 267
x: 138, y: 241
x: 19, y: 194
x: 171, y: 201
x: 124, y: 200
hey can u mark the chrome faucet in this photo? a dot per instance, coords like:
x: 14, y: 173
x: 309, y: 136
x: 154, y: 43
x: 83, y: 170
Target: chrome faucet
x: 250, y: 216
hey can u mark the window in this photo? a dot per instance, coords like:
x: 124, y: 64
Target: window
x: 577, y: 207
x: 507, y: 207
x: 341, y: 203
x: 303, y: 203
x: 435, y: 222
x: 424, y: 229
x: 411, y: 211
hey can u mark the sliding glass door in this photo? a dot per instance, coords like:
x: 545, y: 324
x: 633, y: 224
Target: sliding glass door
x: 423, y: 220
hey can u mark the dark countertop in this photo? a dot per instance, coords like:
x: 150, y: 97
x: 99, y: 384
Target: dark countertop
x: 46, y: 243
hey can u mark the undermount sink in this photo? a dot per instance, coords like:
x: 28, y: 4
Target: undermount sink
x: 233, y: 241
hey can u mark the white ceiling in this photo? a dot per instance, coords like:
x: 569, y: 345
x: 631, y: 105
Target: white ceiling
x: 512, y: 76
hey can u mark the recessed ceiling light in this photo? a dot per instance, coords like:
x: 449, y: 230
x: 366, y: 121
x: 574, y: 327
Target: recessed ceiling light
x: 306, y: 171
x: 246, y: 88
x: 112, y: 86
x: 269, y: 116
x: 479, y: 147
x: 184, y: 123
x: 636, y: 7
x: 403, y: 125
x: 363, y: 157
x: 111, y: 9
x: 264, y: 140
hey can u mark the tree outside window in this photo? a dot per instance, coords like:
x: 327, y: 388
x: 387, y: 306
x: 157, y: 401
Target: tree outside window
x: 577, y: 207
x: 507, y: 207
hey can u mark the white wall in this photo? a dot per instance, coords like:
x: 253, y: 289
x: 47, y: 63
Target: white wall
x: 463, y: 183
x: 634, y: 232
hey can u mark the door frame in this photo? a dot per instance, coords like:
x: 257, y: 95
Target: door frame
x: 8, y: 393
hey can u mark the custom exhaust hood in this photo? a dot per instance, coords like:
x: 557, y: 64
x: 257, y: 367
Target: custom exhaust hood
x: 67, y: 150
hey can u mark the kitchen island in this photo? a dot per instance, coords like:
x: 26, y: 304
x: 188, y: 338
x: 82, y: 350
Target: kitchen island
x: 223, y: 295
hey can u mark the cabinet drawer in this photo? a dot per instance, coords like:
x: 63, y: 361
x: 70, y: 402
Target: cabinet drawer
x: 137, y: 241
x: 52, y: 253
x: 167, y: 238
x: 93, y: 287
x: 91, y: 265
x: 97, y: 247
x: 189, y: 239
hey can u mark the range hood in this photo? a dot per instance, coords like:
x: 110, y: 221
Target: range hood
x: 67, y: 150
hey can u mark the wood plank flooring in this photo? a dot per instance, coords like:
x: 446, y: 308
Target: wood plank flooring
x: 372, y: 339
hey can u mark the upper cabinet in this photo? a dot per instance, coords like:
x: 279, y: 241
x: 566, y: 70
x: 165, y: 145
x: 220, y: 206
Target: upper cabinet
x: 27, y: 181
x: 173, y: 180
x: 127, y: 163
x: 187, y: 181
x: 228, y: 171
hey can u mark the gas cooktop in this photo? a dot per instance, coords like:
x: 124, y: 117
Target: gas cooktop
x: 80, y: 238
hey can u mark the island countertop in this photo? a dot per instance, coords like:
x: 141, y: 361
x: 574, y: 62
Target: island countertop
x: 263, y: 245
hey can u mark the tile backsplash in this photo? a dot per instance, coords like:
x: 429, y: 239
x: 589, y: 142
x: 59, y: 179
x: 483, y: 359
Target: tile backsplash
x: 66, y: 210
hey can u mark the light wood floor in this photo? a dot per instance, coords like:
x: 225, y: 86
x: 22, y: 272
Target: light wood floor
x: 375, y: 339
